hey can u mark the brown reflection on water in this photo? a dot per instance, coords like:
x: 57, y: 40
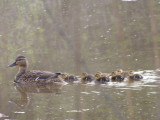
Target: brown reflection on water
x: 24, y: 90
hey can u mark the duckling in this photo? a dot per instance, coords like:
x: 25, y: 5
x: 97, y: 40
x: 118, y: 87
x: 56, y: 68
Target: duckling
x: 85, y: 77
x: 135, y: 77
x: 115, y: 77
x: 35, y: 76
x: 101, y: 77
x: 69, y: 77
x: 123, y: 73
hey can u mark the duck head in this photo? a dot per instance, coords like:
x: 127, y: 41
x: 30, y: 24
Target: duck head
x: 20, y: 61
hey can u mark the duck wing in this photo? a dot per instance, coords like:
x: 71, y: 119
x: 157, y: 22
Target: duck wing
x: 45, y: 76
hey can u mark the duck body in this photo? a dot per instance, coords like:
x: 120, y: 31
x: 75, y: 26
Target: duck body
x: 35, y: 76
x: 87, y: 77
x: 116, y: 77
x: 103, y: 80
x: 101, y: 77
x: 38, y: 77
x: 69, y: 77
x: 135, y: 77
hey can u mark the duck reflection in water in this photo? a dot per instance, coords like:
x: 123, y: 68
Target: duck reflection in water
x: 24, y: 90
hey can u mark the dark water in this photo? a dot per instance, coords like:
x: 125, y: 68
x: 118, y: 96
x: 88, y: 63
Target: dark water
x: 81, y: 36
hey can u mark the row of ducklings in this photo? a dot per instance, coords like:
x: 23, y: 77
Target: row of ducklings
x: 116, y: 76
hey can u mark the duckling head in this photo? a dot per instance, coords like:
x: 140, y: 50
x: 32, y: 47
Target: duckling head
x: 113, y: 73
x: 20, y: 61
x: 97, y: 76
x: 99, y: 72
x: 130, y: 73
x: 64, y: 76
x: 119, y: 71
x: 84, y: 75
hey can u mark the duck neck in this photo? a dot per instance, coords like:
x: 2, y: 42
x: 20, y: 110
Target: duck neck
x: 21, y: 71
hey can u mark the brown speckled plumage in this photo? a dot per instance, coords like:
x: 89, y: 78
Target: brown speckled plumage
x: 34, y: 76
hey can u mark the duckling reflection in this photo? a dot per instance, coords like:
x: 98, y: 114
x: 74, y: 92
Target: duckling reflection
x: 24, y: 99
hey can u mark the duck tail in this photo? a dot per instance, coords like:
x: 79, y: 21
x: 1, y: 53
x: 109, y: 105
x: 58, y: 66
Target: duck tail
x: 59, y: 73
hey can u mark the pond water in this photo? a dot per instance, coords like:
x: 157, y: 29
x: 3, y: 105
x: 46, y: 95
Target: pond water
x: 81, y: 36
x: 113, y: 101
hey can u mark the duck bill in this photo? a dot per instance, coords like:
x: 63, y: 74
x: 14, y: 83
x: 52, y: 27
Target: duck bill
x: 11, y: 65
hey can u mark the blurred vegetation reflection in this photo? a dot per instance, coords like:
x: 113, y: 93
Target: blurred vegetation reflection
x: 77, y: 36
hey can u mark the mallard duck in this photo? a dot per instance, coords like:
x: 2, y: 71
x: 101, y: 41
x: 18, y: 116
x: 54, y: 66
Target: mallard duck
x: 136, y: 77
x: 69, y: 77
x: 115, y: 77
x: 35, y: 76
x: 101, y: 77
x: 85, y: 77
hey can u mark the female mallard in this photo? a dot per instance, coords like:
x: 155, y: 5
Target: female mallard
x: 85, y: 77
x: 35, y: 76
x: 69, y: 77
x: 136, y: 77
x: 115, y: 77
x: 101, y: 77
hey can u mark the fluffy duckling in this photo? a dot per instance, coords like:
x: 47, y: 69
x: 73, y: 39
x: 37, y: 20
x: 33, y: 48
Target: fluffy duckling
x: 123, y: 73
x: 115, y: 77
x: 135, y: 77
x: 85, y: 77
x: 101, y: 77
x: 69, y: 77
